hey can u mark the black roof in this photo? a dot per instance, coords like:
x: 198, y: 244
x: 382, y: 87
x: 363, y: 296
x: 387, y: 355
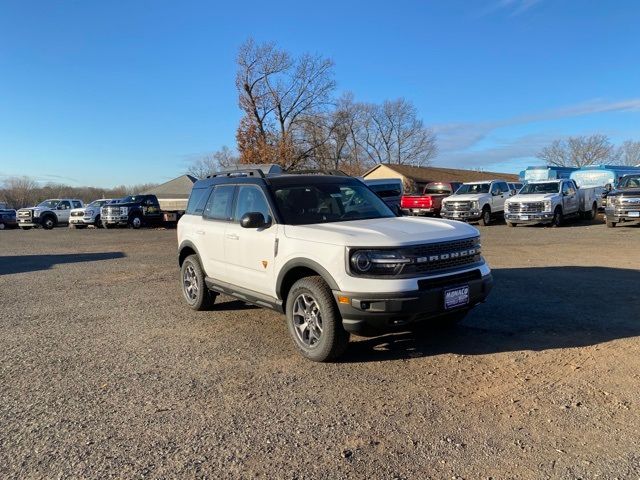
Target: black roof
x: 276, y: 180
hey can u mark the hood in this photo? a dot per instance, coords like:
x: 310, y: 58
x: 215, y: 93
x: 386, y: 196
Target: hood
x: 533, y: 197
x: 382, y: 232
x: 625, y: 192
x: 467, y: 197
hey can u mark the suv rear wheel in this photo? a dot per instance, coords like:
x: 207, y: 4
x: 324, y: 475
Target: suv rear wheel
x: 194, y: 288
x: 313, y: 320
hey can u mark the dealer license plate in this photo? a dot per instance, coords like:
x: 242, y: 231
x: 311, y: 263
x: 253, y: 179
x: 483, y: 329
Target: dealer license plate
x: 634, y: 214
x: 456, y: 297
x: 525, y: 217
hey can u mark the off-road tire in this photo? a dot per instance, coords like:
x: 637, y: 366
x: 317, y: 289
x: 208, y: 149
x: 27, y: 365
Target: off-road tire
x: 334, y: 338
x: 204, y: 298
x: 2, y: 226
x: 486, y: 216
x: 97, y: 222
x: 558, y: 218
x: 611, y: 224
x: 511, y: 224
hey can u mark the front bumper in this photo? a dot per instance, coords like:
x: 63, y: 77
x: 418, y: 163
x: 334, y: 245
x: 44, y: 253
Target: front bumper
x: 541, y: 217
x: 372, y: 314
x: 618, y: 215
x: 115, y: 219
x: 82, y: 221
x: 24, y: 222
x: 463, y: 215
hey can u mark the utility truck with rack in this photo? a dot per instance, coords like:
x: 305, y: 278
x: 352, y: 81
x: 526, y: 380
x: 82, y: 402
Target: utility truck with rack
x: 551, y: 201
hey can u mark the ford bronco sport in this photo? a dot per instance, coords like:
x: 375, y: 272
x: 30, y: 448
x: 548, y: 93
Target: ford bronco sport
x: 327, y: 252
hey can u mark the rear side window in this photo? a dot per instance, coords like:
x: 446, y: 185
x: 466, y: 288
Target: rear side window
x: 387, y: 190
x: 77, y: 204
x: 196, y: 201
x: 218, y: 206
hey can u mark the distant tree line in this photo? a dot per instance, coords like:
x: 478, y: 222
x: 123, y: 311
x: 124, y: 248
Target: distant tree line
x: 597, y: 149
x: 18, y: 192
x: 292, y: 117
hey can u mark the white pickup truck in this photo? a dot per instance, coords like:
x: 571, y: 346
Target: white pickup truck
x: 47, y: 214
x: 476, y: 201
x: 89, y: 215
x: 550, y: 201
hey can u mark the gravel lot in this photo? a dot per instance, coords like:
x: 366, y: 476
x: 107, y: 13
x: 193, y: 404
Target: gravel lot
x: 106, y: 373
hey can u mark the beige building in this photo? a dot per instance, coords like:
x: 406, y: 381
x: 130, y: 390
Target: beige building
x: 415, y: 178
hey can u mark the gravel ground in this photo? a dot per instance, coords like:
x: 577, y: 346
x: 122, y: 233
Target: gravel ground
x: 106, y: 373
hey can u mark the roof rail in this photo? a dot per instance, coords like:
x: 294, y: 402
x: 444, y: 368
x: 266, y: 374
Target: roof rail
x: 252, y: 172
x: 338, y: 173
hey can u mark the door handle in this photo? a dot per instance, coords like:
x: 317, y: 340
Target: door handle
x: 232, y: 236
x: 200, y: 232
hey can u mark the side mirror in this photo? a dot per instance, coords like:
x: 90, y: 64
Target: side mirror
x: 253, y: 220
x: 608, y: 187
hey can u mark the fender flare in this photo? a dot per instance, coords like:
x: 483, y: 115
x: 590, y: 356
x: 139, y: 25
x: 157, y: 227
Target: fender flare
x: 307, y: 263
x: 186, y: 244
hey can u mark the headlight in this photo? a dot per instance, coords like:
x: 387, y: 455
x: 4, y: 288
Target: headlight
x: 474, y: 205
x: 377, y: 262
x: 36, y: 213
x: 89, y: 212
x: 506, y: 207
x: 124, y: 210
x: 547, y: 205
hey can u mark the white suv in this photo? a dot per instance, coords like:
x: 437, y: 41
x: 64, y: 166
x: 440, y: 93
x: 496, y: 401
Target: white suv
x: 328, y: 252
x: 477, y: 201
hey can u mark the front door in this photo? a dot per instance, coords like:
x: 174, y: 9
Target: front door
x: 570, y: 199
x: 250, y: 252
x: 63, y: 210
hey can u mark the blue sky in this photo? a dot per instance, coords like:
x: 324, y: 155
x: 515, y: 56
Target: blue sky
x: 105, y: 93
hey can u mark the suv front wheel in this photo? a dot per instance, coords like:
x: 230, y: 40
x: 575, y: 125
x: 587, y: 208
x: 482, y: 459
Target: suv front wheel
x: 314, y: 321
x: 194, y: 288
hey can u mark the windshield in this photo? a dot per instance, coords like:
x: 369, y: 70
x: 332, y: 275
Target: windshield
x: 473, y: 188
x: 437, y: 188
x: 630, y: 182
x: 98, y: 203
x: 49, y: 203
x: 531, y: 188
x: 324, y: 203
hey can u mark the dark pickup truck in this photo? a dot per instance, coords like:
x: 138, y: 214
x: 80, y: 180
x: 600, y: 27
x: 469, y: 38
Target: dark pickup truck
x: 134, y: 211
x: 429, y: 202
x: 623, y: 203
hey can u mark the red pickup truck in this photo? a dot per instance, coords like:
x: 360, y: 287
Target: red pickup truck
x: 429, y: 201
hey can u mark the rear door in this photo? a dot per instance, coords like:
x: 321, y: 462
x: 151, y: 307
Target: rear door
x: 210, y: 234
x: 250, y: 252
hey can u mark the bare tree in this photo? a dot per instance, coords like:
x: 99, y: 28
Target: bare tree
x: 278, y: 95
x: 209, y: 164
x: 18, y: 191
x: 393, y: 133
x: 579, y: 151
x: 629, y: 153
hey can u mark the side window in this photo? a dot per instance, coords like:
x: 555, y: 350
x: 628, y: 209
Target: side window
x: 504, y: 187
x: 495, y: 189
x: 77, y: 204
x: 565, y: 188
x: 251, y: 199
x: 149, y: 202
x: 197, y: 200
x: 218, y: 206
x: 64, y: 205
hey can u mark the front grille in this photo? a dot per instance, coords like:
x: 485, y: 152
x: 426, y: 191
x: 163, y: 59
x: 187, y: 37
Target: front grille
x: 77, y: 214
x: 112, y: 210
x: 458, y: 206
x: 529, y: 207
x: 442, y: 256
x: 24, y: 213
x: 430, y: 283
x: 628, y: 202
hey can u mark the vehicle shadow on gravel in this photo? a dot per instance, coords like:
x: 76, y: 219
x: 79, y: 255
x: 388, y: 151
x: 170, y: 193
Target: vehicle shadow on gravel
x: 33, y: 263
x: 528, y: 309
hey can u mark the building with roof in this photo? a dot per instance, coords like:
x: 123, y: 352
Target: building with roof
x: 174, y: 194
x: 415, y: 178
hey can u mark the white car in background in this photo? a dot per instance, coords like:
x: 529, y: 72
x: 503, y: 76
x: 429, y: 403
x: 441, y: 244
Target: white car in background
x: 89, y: 215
